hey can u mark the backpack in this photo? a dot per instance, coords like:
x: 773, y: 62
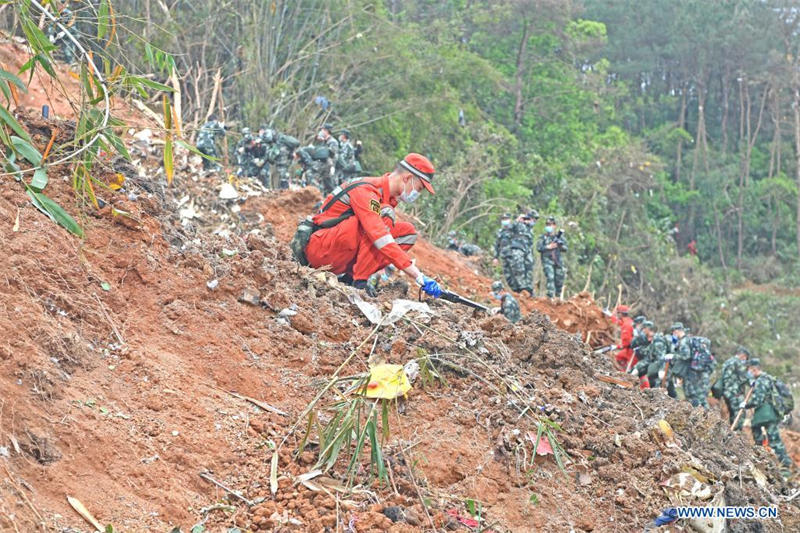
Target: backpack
x: 288, y: 141
x: 307, y: 227
x: 782, y: 399
x: 702, y: 360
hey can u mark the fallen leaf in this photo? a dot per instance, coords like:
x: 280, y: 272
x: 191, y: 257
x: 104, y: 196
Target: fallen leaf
x: 85, y: 514
x: 16, y: 222
x: 273, y: 473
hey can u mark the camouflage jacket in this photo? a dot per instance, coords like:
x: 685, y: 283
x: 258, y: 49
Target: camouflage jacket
x: 681, y: 363
x: 761, y: 401
x: 551, y: 255
x: 503, y: 240
x: 510, y: 308
x: 209, y: 131
x: 734, y: 378
x: 346, y: 161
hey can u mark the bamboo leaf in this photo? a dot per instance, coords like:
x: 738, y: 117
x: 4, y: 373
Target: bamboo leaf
x: 102, y: 19
x: 169, y: 162
x: 27, y: 150
x: 194, y: 150
x: 5, y: 75
x: 55, y: 212
x: 6, y: 117
x: 118, y: 145
x: 150, y: 84
x: 85, y: 81
x: 39, y: 180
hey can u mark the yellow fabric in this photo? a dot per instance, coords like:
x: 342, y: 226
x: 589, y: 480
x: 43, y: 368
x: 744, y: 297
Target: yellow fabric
x: 386, y: 381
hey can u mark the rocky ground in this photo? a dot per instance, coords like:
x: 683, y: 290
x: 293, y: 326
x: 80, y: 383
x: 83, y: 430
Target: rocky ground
x: 154, y: 369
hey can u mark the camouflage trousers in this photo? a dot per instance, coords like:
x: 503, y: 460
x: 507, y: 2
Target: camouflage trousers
x: 733, y: 410
x: 696, y: 387
x: 283, y: 175
x: 518, y: 270
x: 774, y: 439
x: 554, y: 275
x: 209, y: 149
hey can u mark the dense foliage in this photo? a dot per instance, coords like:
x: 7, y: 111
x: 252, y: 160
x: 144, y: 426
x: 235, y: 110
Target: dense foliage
x: 621, y: 117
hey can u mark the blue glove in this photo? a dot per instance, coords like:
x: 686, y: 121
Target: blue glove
x: 668, y: 516
x: 431, y: 287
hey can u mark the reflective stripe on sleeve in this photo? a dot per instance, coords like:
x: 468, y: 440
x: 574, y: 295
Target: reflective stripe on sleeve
x: 407, y: 239
x: 383, y: 241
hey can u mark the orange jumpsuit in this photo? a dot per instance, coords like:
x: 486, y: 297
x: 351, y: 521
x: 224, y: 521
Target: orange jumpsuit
x: 625, y: 353
x: 365, y: 242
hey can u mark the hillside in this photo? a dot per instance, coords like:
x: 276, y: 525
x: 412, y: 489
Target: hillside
x: 120, y: 354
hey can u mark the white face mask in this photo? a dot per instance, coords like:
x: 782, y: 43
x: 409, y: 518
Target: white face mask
x: 409, y: 197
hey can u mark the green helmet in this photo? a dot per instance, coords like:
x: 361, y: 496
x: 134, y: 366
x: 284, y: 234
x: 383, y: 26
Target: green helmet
x: 754, y: 362
x: 676, y: 325
x: 497, y: 286
x: 744, y: 351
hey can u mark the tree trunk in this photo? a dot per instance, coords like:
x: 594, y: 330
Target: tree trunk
x: 725, y: 105
x: 519, y: 104
x: 681, y: 125
x: 796, y: 108
x: 750, y: 136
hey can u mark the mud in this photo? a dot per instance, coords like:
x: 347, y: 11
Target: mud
x: 120, y: 395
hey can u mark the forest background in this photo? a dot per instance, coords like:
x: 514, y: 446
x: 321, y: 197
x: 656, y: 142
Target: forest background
x: 623, y: 118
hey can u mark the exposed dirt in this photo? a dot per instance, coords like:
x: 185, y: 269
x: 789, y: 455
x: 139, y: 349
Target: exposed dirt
x: 118, y: 354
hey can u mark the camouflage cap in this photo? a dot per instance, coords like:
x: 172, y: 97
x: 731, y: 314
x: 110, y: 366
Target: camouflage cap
x: 345, y: 132
x: 754, y: 362
x: 551, y: 220
x: 506, y: 215
x: 497, y: 285
x: 648, y: 324
x: 639, y: 319
x: 676, y: 325
x: 328, y: 126
x: 744, y: 351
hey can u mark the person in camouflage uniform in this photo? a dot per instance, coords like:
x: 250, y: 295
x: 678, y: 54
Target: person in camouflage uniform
x: 509, y: 307
x: 551, y: 246
x: 637, y: 325
x: 652, y: 352
x: 243, y: 158
x: 681, y: 361
x: 282, y: 157
x: 765, y: 417
x: 514, y: 247
x: 206, y: 141
x: 347, y: 166
x: 697, y: 382
x: 734, y: 381
x: 453, y: 242
x: 66, y: 48
x: 263, y: 148
x: 321, y: 160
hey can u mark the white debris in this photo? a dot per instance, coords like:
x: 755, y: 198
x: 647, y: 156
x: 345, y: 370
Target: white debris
x: 228, y: 192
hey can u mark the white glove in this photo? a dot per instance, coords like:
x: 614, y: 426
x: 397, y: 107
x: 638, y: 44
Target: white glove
x: 742, y: 405
x: 661, y: 374
x: 669, y: 356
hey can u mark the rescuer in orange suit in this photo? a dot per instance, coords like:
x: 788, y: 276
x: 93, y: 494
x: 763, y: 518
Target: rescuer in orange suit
x: 364, y: 236
x: 625, y: 354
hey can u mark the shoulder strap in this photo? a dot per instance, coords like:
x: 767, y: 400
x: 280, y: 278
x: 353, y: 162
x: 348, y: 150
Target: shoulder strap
x: 341, y: 193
